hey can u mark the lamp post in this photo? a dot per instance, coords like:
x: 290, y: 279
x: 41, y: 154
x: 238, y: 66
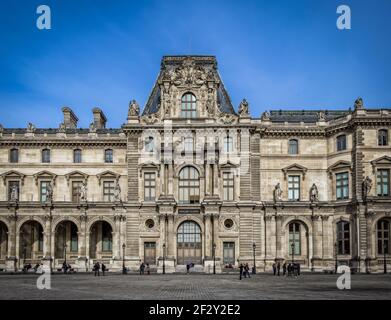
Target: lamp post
x: 254, y: 267
x: 164, y: 262
x: 293, y: 252
x: 385, y: 261
x: 65, y: 253
x: 123, y: 259
x: 214, y: 258
x: 336, y: 257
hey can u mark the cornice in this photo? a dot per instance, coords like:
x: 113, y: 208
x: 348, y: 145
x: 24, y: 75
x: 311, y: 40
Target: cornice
x: 64, y: 143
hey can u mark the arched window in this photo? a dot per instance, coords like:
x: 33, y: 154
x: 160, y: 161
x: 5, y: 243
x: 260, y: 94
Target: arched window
x: 45, y: 156
x: 189, y: 185
x: 77, y: 156
x: 189, y: 243
x: 14, y: 155
x: 343, y: 237
x: 149, y: 144
x: 294, y: 238
x: 109, y: 156
x: 383, y: 137
x: 383, y: 237
x: 188, y: 106
x: 293, y: 146
x: 341, y: 142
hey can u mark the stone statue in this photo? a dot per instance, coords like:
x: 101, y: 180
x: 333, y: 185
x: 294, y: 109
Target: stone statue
x: 210, y: 106
x: 92, y: 127
x: 265, y: 116
x: 366, y: 187
x: 117, y: 192
x: 277, y: 193
x: 243, y: 108
x: 14, y: 197
x: 321, y: 116
x: 49, y: 193
x: 134, y: 109
x: 314, y: 193
x: 62, y: 127
x: 358, y: 104
x: 30, y: 127
x: 83, y: 192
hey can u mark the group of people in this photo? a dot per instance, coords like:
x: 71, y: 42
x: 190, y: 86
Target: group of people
x: 38, y: 268
x: 144, y: 268
x: 66, y: 267
x: 97, y: 267
x: 244, y: 271
x: 291, y: 269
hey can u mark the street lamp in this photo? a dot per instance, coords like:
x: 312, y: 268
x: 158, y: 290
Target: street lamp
x: 65, y: 253
x: 214, y: 258
x: 385, y: 261
x: 254, y: 268
x: 164, y: 263
x: 293, y: 252
x: 123, y: 259
x: 336, y: 257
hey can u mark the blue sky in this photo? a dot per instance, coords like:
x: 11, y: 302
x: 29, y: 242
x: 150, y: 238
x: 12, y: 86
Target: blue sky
x: 277, y: 54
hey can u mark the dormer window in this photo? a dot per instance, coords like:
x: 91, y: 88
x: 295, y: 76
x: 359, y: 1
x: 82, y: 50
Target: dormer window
x: 188, y: 106
x: 341, y: 143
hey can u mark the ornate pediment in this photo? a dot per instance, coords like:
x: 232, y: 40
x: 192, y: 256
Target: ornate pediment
x: 12, y: 174
x: 108, y: 174
x: 45, y: 175
x: 76, y: 175
x: 384, y: 161
x: 149, y: 166
x: 294, y: 168
x: 339, y: 165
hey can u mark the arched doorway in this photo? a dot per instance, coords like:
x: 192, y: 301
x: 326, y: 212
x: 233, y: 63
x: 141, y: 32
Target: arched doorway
x: 3, y: 242
x: 66, y: 241
x: 101, y: 241
x: 297, y: 245
x: 31, y: 242
x: 189, y: 245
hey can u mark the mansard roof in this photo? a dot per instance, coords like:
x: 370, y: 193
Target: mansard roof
x: 306, y: 116
x: 171, y: 63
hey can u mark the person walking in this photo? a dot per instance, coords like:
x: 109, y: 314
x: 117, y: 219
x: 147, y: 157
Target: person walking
x: 278, y: 268
x: 289, y: 269
x: 148, y: 269
x: 142, y: 267
x: 64, y: 267
x: 298, y: 269
x: 187, y: 267
x: 103, y: 269
x: 241, y: 271
x: 96, y: 269
x: 247, y: 270
x: 284, y: 269
x: 274, y: 268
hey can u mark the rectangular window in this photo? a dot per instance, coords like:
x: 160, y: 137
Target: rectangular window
x: 228, y: 144
x: 14, y: 155
x: 149, y: 186
x: 109, y: 156
x: 43, y: 190
x: 77, y: 156
x: 107, y: 239
x: 342, y: 185
x: 108, y: 191
x: 383, y: 182
x: 150, y: 253
x: 228, y: 186
x: 229, y: 253
x: 294, y: 188
x: 76, y: 186
x: 341, y: 143
x: 11, y: 185
x: 46, y: 156
x: 343, y: 237
x: 294, y: 238
x: 74, y: 244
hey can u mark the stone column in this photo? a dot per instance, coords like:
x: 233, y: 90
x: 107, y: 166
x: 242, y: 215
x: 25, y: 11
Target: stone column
x: 48, y: 254
x: 270, y: 227
x: 11, y: 260
x: 170, y: 179
x: 279, y: 240
x: 208, y: 236
x: 215, y: 240
x: 171, y: 239
x: 82, y: 263
x: 317, y: 243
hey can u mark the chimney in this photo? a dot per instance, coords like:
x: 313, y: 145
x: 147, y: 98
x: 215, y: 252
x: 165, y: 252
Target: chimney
x: 70, y: 119
x: 99, y: 118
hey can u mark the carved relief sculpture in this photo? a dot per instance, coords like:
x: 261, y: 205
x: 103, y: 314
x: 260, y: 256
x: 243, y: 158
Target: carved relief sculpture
x: 366, y: 187
x: 14, y: 197
x: 314, y: 193
x: 277, y: 193
x: 244, y: 109
x: 117, y: 192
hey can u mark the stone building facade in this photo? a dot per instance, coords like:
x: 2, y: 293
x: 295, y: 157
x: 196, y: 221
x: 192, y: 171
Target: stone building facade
x: 192, y: 180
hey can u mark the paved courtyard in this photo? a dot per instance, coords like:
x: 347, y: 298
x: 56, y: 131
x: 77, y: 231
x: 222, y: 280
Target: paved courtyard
x: 197, y: 286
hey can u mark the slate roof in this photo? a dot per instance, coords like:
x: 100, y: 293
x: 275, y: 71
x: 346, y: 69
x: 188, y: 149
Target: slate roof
x: 209, y: 63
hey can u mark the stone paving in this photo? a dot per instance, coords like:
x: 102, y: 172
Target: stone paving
x: 196, y: 286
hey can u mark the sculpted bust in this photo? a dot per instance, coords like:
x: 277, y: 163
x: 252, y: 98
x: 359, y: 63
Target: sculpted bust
x: 134, y: 109
x: 277, y: 193
x: 265, y: 116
